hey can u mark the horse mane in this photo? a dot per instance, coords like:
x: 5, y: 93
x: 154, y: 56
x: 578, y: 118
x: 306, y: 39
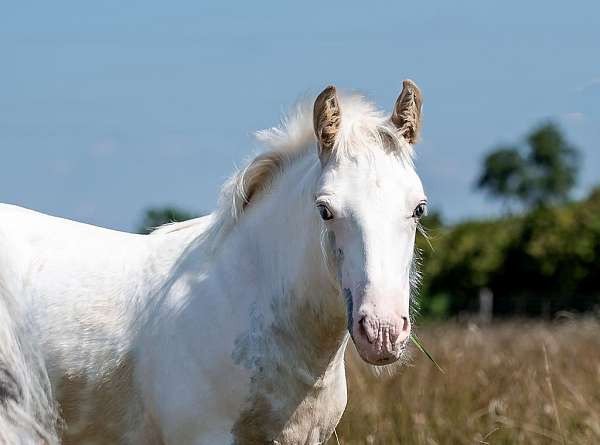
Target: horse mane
x: 362, y: 126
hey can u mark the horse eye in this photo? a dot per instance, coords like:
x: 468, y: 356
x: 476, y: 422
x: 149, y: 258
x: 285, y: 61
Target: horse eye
x: 420, y: 210
x: 325, y: 213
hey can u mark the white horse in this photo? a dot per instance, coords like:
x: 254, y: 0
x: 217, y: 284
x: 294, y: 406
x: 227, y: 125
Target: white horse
x: 231, y: 328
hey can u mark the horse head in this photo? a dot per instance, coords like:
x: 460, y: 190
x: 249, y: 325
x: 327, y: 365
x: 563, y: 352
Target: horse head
x: 369, y: 200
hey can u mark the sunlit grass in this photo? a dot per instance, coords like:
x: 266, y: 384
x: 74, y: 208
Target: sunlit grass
x: 518, y: 382
x: 421, y: 348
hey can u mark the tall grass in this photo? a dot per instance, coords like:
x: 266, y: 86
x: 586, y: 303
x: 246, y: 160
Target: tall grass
x: 518, y: 382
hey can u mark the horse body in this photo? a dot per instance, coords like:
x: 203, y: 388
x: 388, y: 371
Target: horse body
x: 97, y: 296
x: 229, y: 329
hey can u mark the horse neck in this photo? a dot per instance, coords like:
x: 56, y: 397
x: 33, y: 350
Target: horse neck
x: 290, y: 286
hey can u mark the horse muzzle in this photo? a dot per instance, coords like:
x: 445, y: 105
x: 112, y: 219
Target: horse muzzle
x: 381, y: 341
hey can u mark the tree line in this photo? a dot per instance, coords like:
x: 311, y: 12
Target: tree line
x: 542, y: 256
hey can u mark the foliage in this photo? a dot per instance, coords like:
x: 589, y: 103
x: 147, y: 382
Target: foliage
x: 157, y: 216
x: 553, y: 164
x: 538, y: 263
x: 504, y: 174
x: 544, y: 174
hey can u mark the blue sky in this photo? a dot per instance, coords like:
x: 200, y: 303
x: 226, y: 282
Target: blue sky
x: 109, y: 107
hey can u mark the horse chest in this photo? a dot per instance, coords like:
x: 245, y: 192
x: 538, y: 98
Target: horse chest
x: 296, y: 414
x: 107, y: 410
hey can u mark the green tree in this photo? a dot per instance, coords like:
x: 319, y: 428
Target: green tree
x: 544, y: 175
x: 553, y: 166
x: 504, y: 175
x: 157, y: 216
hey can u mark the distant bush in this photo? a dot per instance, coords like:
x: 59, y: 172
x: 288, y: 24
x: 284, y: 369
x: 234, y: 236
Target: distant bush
x: 538, y: 263
x: 157, y: 216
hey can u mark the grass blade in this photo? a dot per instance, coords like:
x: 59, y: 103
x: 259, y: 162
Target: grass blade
x: 419, y: 345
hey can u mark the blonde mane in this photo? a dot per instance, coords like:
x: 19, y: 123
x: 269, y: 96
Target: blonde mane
x: 362, y: 126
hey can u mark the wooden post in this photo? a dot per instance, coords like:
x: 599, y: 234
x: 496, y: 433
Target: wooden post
x: 486, y: 305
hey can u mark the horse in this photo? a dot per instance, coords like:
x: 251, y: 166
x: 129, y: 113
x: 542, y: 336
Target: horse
x: 230, y: 328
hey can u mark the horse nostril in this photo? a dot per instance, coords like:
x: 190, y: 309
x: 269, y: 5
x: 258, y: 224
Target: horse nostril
x: 403, y: 330
x: 364, y: 330
x: 405, y: 324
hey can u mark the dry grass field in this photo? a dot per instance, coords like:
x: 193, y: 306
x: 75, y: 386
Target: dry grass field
x: 517, y: 382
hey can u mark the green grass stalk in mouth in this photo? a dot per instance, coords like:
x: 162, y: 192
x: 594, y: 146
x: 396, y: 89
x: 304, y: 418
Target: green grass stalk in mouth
x: 419, y: 345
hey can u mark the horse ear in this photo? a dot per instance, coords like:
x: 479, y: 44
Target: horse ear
x: 407, y: 111
x: 326, y: 120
